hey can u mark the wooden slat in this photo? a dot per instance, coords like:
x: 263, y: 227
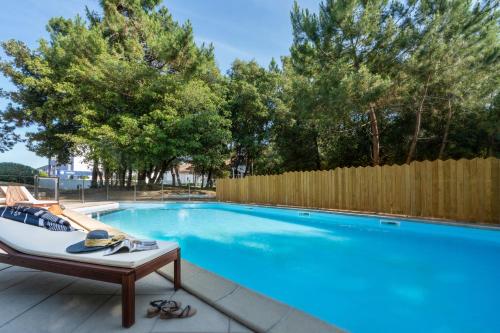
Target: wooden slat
x: 466, y: 190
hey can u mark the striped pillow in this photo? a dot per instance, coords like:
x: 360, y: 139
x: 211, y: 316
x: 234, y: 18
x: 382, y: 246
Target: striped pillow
x: 37, y: 217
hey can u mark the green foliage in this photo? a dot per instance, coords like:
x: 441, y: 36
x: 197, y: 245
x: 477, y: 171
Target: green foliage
x: 17, y: 173
x: 366, y: 83
x: 8, y: 137
x: 253, y: 100
x: 130, y: 90
x: 387, y: 82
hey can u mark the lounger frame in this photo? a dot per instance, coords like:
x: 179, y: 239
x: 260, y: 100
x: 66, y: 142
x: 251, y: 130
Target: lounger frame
x: 124, y: 276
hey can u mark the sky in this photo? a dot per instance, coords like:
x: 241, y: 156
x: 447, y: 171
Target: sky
x: 244, y: 29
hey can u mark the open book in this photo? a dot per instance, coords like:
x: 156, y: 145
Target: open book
x: 132, y: 245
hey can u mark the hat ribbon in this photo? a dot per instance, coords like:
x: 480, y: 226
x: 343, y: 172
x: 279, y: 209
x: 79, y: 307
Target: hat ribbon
x: 104, y: 242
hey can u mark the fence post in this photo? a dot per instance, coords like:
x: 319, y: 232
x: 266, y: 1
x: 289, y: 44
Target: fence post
x: 35, y: 181
x: 135, y: 192
x: 83, y: 190
x: 189, y: 191
x: 56, y: 189
x: 162, y: 190
x: 107, y: 192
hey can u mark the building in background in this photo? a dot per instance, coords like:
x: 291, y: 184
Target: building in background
x: 73, y: 175
x: 187, y: 175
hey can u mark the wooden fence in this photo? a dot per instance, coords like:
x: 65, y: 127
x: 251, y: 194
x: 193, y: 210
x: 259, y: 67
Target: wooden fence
x: 465, y: 190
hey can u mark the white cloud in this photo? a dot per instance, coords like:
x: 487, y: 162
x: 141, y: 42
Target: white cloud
x: 224, y: 47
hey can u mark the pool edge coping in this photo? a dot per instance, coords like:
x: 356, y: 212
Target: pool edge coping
x: 410, y: 218
x: 259, y: 313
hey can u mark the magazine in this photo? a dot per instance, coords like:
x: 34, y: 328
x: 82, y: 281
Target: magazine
x: 132, y: 245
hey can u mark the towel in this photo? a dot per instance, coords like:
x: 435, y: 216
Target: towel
x: 37, y: 217
x: 13, y: 195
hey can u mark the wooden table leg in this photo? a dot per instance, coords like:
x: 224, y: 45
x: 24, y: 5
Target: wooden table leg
x: 177, y: 271
x: 128, y: 300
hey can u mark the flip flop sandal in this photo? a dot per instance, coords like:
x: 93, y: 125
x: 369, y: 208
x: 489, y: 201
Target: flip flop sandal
x: 168, y: 313
x: 157, y: 306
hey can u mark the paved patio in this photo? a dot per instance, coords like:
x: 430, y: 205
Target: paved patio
x: 34, y: 301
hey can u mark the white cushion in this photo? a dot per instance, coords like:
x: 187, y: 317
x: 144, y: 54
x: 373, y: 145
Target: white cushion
x: 52, y: 244
x: 37, y: 202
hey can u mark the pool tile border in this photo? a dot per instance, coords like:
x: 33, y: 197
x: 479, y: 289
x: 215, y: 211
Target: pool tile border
x: 410, y: 218
x: 93, y: 207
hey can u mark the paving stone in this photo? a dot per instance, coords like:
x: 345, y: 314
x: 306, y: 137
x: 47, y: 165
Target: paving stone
x: 252, y: 309
x: 4, y: 266
x: 91, y: 287
x: 207, y: 319
x: 108, y: 318
x: 57, y: 314
x: 11, y: 278
x: 12, y: 305
x: 153, y: 284
x: 40, y: 283
x: 21, y: 269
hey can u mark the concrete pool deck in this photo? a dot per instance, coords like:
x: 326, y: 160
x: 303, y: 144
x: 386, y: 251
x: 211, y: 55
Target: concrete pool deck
x: 242, y: 305
x: 35, y: 302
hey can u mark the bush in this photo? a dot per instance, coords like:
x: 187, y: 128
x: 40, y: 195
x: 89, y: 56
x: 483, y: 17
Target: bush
x: 17, y: 173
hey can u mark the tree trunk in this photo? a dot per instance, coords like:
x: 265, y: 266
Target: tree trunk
x: 123, y: 174
x: 162, y: 170
x: 148, y: 173
x: 141, y: 176
x: 101, y: 181
x: 247, y: 166
x: 375, y: 136
x: 209, y: 178
x: 491, y: 148
x: 106, y: 176
x: 119, y: 178
x: 176, y: 168
x: 172, y: 173
x: 418, y: 122
x: 446, y: 131
x: 202, y: 179
x: 49, y: 167
x: 316, y: 151
x: 116, y: 177
x: 95, y: 173
x: 129, y: 178
x: 154, y: 175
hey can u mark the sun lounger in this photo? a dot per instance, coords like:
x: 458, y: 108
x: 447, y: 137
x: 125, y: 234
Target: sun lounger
x: 82, y: 221
x: 19, y: 195
x: 45, y: 250
x: 3, y: 191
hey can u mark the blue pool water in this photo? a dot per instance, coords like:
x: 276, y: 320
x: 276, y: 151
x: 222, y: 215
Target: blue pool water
x: 352, y: 271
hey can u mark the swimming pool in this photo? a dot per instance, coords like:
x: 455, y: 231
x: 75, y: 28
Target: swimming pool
x: 361, y: 273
